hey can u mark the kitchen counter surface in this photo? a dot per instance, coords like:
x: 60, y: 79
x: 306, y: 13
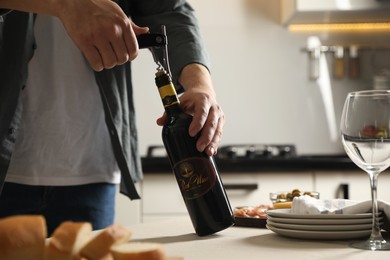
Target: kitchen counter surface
x: 179, y: 239
x: 296, y: 163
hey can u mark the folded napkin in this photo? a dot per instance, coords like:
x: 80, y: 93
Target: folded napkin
x: 309, y: 205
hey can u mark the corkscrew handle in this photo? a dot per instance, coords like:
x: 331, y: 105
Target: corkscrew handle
x: 157, y: 43
x: 149, y: 40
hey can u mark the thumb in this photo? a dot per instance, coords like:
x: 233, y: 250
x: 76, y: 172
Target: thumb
x: 161, y: 120
x: 139, y: 30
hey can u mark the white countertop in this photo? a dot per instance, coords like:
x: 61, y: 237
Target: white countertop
x: 243, y: 243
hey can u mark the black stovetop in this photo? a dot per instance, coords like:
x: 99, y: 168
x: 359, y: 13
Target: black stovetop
x: 256, y: 158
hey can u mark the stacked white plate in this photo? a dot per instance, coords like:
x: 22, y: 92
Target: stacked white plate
x: 319, y: 226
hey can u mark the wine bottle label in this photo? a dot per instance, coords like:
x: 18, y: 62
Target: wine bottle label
x: 168, y: 95
x: 195, y: 176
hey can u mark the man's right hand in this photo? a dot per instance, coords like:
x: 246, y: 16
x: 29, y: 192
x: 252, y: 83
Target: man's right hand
x: 101, y: 30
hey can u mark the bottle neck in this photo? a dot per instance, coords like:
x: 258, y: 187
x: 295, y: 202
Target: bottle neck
x: 167, y: 91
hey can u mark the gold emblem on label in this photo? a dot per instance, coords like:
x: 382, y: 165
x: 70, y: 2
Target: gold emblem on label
x: 186, y: 169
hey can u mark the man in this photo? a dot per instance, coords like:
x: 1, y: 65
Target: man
x: 66, y: 106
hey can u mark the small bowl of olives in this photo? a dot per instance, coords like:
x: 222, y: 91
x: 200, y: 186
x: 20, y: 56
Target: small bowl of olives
x: 285, y: 198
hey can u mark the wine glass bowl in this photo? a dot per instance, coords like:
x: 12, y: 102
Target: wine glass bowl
x: 365, y: 136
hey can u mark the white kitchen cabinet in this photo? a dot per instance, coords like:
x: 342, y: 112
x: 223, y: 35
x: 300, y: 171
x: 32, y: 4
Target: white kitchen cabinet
x: 328, y: 184
x: 267, y: 183
x: 162, y: 198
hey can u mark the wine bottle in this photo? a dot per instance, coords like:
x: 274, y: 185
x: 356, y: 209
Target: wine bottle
x: 196, y: 172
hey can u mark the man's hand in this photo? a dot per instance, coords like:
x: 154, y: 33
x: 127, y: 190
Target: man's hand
x: 199, y: 100
x: 101, y: 30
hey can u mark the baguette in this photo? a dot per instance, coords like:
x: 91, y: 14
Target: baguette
x: 22, y: 237
x: 98, y: 248
x: 67, y: 240
x: 138, y: 251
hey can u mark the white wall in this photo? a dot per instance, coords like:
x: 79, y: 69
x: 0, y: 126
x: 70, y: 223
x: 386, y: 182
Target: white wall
x: 260, y: 75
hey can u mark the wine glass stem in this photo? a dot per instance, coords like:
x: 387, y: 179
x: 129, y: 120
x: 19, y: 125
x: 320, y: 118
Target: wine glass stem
x: 376, y: 231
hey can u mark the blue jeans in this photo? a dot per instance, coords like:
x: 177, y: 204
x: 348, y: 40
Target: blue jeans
x: 94, y: 203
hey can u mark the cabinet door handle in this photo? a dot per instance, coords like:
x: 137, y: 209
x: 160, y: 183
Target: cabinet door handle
x: 344, y: 190
x: 242, y: 186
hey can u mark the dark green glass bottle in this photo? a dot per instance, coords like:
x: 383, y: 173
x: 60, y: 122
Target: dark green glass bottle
x: 196, y: 172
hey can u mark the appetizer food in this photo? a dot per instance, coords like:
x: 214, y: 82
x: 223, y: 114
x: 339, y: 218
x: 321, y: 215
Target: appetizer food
x: 284, y: 199
x: 252, y: 212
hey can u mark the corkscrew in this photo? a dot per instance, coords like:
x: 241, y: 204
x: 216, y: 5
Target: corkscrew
x: 157, y: 43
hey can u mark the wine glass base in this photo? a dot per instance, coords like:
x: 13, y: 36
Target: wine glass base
x: 373, y: 245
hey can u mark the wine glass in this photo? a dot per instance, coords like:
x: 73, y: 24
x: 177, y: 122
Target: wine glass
x: 364, y: 127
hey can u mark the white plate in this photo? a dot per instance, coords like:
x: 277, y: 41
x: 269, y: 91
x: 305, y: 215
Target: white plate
x: 286, y: 213
x: 321, y: 227
x: 322, y: 221
x: 320, y: 235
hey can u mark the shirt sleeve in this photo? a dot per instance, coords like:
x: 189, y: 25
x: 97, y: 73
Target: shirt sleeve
x: 185, y: 43
x: 3, y: 12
